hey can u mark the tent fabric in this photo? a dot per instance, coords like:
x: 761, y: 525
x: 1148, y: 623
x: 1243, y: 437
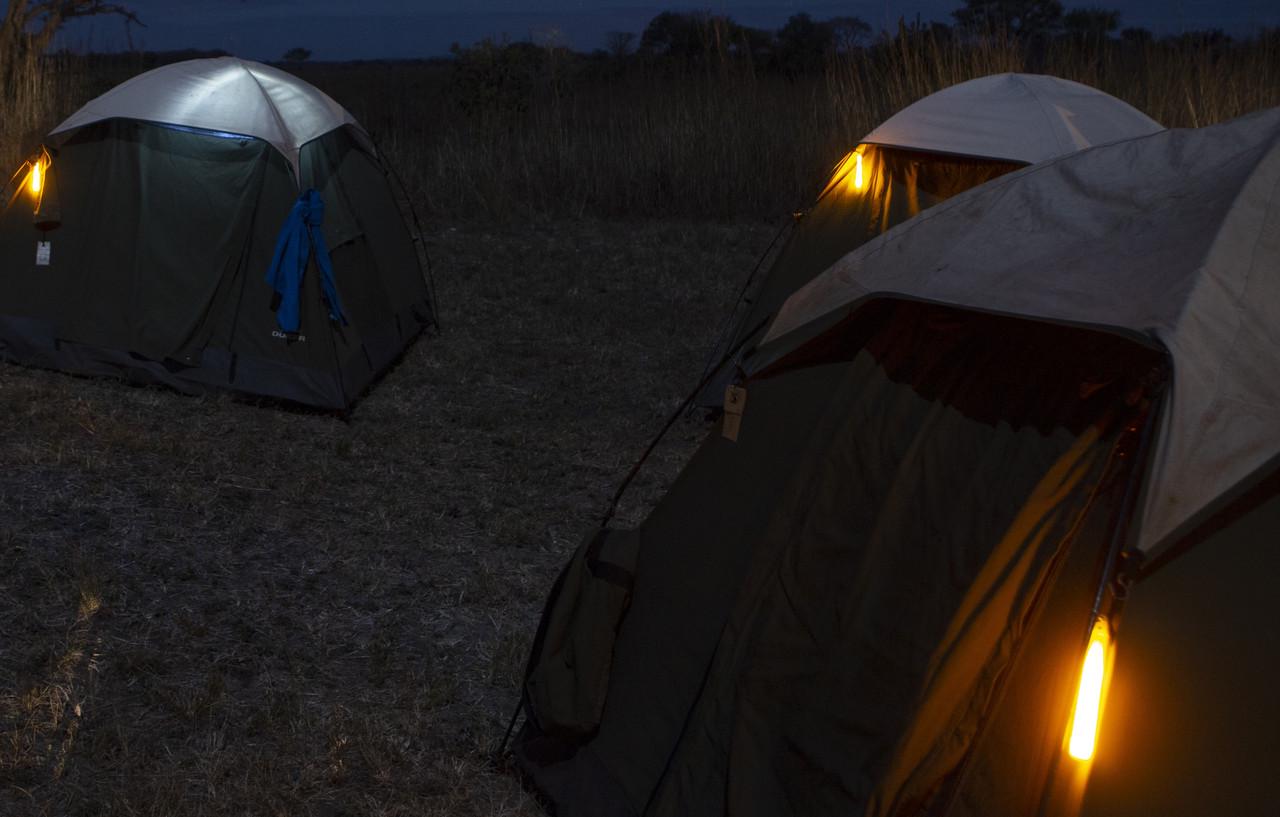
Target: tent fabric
x: 949, y: 142
x: 568, y: 685
x: 1202, y: 738
x: 1026, y: 118
x: 1016, y: 763
x: 1173, y: 237
x: 863, y: 558
x: 223, y: 94
x: 895, y: 185
x: 157, y: 272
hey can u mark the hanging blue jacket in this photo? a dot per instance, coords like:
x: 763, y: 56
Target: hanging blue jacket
x: 300, y: 236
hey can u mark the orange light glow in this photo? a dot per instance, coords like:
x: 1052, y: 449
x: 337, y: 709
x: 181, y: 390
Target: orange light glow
x: 37, y: 176
x: 849, y: 175
x: 1087, y: 715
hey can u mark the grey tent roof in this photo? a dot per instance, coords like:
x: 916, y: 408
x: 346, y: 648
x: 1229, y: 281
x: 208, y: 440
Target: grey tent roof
x: 1175, y: 237
x: 1021, y: 117
x: 222, y: 94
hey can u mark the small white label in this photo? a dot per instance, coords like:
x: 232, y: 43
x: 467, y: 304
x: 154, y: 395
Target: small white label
x: 43, y: 250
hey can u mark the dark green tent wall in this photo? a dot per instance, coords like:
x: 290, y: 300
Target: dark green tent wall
x: 826, y: 612
x: 157, y: 263
x: 1192, y: 725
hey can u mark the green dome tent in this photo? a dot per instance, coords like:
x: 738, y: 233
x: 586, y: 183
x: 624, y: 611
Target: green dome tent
x: 938, y: 147
x: 962, y: 456
x: 138, y: 241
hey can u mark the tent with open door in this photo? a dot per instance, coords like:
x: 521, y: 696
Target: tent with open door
x: 956, y: 461
x: 211, y: 223
x: 949, y: 142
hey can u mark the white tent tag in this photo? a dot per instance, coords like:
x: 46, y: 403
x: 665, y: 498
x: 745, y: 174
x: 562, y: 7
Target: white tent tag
x: 43, y: 251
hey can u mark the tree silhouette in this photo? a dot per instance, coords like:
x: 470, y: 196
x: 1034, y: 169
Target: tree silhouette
x: 802, y: 44
x: 671, y: 34
x: 297, y: 54
x: 619, y: 43
x: 1090, y: 24
x: 692, y: 35
x: 848, y: 33
x: 29, y: 26
x: 1019, y: 18
x: 1136, y: 35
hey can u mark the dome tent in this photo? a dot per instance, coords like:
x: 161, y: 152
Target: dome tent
x: 158, y: 208
x: 1046, y: 409
x: 937, y: 147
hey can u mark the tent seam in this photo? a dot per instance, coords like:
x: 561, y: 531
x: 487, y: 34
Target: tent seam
x: 1040, y: 103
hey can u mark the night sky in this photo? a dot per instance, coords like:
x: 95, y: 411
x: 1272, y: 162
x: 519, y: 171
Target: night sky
x: 368, y: 29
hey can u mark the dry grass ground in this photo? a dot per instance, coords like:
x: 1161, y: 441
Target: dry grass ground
x: 209, y: 607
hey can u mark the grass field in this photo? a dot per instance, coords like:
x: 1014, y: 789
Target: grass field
x: 209, y: 607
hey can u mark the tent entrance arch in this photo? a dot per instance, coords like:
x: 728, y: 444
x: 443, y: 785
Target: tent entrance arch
x: 865, y: 560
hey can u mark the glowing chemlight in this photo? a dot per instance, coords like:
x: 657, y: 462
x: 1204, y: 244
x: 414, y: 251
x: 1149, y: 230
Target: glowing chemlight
x: 1088, y: 709
x: 37, y: 176
x: 848, y: 176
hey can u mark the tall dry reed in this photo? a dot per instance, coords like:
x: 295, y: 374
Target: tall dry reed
x: 42, y: 91
x: 1182, y: 86
x: 522, y: 132
x: 26, y: 108
x: 728, y: 140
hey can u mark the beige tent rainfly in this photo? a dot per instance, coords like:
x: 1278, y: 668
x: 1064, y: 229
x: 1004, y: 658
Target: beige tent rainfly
x: 1026, y: 118
x: 1014, y: 453
x: 938, y: 147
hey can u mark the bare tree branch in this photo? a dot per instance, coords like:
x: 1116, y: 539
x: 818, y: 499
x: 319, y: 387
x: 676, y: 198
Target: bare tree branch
x: 29, y: 27
x: 49, y: 15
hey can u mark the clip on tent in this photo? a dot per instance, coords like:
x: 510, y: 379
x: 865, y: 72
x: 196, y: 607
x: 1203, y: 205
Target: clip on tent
x: 138, y: 243
x: 988, y: 466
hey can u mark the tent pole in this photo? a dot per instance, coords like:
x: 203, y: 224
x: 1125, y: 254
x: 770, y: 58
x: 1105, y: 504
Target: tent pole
x: 389, y: 170
x: 726, y: 327
x: 679, y: 412
x: 1132, y: 488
